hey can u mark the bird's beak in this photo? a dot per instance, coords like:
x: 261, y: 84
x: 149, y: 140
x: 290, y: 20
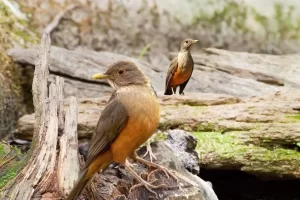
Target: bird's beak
x: 195, y: 41
x: 100, y: 76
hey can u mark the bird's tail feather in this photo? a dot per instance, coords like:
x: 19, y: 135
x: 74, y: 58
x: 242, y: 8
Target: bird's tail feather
x: 83, y: 180
x: 98, y: 164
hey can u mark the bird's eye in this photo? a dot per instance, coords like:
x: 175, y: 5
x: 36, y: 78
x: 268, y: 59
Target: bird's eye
x: 186, y: 42
x: 121, y: 72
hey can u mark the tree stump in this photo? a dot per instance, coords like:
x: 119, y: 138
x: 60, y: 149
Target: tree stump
x: 51, y: 167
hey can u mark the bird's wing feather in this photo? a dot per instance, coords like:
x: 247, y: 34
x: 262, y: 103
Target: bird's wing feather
x: 112, y: 120
x: 172, y: 70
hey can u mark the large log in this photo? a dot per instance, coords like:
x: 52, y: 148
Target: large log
x: 230, y: 130
x: 78, y: 66
x: 216, y: 71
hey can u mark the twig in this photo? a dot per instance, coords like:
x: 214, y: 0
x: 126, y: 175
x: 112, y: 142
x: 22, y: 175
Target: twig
x: 56, y: 20
x: 5, y: 156
x: 6, y: 161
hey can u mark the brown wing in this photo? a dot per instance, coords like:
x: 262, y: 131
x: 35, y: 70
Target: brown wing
x: 171, y: 71
x: 112, y: 120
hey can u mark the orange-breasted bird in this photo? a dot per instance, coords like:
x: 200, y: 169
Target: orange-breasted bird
x: 128, y: 120
x: 181, y: 69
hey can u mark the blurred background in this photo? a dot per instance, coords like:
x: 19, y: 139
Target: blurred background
x: 147, y: 30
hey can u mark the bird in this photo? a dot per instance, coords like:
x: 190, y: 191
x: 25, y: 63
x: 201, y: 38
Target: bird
x: 129, y: 119
x: 180, y: 69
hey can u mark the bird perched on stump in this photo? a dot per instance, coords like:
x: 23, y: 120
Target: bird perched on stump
x: 128, y: 120
x: 181, y: 69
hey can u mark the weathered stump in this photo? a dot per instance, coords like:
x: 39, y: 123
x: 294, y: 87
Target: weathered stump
x: 48, y: 166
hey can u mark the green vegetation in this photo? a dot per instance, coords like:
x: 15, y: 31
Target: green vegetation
x: 234, y: 15
x: 240, y: 17
x: 282, y: 27
x: 10, y: 163
x: 205, y: 127
x: 293, y: 118
x: 14, y: 32
x: 229, y: 146
x: 144, y: 51
x: 19, y: 29
x: 160, y: 136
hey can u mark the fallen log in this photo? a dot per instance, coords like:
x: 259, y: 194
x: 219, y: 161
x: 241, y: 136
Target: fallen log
x: 216, y: 71
x: 230, y: 130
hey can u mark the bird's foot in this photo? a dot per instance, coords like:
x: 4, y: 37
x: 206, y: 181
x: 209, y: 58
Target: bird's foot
x: 167, y: 172
x: 132, y: 165
x: 182, y: 93
x: 149, y: 186
x: 149, y: 151
x: 144, y: 183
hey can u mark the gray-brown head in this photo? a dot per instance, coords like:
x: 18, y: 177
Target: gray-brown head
x: 123, y: 73
x: 187, y: 44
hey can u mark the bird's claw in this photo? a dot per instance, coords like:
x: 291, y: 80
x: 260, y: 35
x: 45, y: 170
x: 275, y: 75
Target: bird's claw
x: 151, y: 155
x: 149, y: 187
x: 149, y: 151
x: 157, y: 166
x: 166, y: 171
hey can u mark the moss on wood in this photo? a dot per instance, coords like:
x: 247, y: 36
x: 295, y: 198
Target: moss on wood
x: 11, y: 162
x: 246, y: 157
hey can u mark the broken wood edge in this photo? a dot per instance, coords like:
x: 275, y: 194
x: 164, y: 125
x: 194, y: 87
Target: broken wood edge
x: 68, y: 162
x: 39, y: 84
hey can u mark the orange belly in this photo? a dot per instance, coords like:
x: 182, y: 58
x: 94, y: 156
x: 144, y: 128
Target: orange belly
x: 131, y: 138
x: 179, y: 77
x: 144, y: 112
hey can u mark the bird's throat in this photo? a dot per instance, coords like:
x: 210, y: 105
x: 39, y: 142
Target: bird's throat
x: 183, y: 57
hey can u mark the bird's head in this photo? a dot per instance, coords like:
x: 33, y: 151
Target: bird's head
x: 187, y: 44
x: 123, y: 73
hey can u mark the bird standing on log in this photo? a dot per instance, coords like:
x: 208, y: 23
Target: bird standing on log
x: 181, y: 69
x: 128, y: 120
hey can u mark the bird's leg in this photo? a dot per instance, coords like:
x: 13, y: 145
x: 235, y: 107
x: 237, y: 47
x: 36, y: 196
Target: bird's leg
x: 173, y: 92
x: 149, y: 151
x: 157, y: 166
x: 132, y: 165
x: 144, y: 183
x: 181, y: 90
